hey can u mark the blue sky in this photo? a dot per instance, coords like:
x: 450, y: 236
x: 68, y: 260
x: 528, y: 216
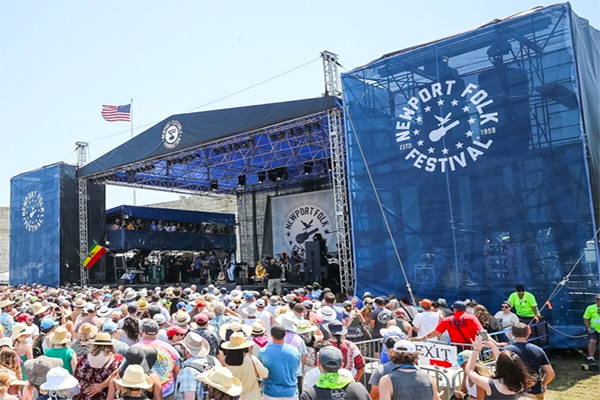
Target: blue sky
x: 61, y: 60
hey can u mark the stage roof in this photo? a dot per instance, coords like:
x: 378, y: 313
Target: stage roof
x: 169, y: 214
x: 224, y: 150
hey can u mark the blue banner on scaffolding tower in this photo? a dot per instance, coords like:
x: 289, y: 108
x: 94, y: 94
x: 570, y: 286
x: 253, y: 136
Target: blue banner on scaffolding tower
x: 474, y: 150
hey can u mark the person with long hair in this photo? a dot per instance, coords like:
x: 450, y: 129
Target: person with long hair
x: 467, y: 386
x: 94, y: 370
x: 221, y: 384
x: 10, y: 361
x: 4, y: 386
x: 244, y: 366
x: 489, y: 323
x: 353, y: 359
x: 510, y: 378
x: 20, y: 335
x: 84, y: 335
x: 134, y: 384
x: 130, y: 332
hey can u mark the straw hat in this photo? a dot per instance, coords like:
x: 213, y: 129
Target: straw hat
x: 102, y: 339
x: 60, y: 335
x: 38, y: 308
x: 221, y: 378
x: 130, y: 295
x: 237, y: 341
x: 79, y: 303
x: 181, y: 318
x: 6, y: 303
x: 20, y: 329
x: 195, y: 344
x: 6, y: 341
x: 258, y: 328
x: 135, y: 378
x: 59, y: 378
x: 88, y: 330
x: 143, y: 304
x: 104, y: 311
x: 226, y: 330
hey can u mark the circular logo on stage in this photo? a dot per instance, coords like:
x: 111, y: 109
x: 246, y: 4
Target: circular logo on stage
x: 33, y: 211
x: 445, y: 127
x: 171, y: 134
x: 303, y: 222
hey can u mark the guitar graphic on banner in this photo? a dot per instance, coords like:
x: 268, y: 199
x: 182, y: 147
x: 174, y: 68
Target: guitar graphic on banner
x: 301, y: 237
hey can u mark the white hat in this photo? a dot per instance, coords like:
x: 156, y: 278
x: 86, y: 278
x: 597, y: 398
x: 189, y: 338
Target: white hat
x: 104, y: 311
x: 221, y: 378
x: 59, y: 378
x: 288, y: 321
x: 196, y: 344
x: 251, y: 310
x: 327, y: 313
x: 405, y: 346
x: 134, y: 377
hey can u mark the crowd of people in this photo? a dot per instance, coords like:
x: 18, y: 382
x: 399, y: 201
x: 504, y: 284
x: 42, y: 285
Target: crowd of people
x: 141, y: 224
x: 213, y: 343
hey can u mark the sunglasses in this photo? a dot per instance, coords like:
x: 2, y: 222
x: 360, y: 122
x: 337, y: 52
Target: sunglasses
x: 505, y: 307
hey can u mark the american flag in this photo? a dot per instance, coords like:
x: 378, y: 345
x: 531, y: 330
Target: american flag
x: 116, y: 113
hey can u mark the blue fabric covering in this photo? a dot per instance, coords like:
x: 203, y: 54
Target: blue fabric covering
x: 184, y: 241
x: 167, y: 214
x: 477, y: 149
x: 35, y: 226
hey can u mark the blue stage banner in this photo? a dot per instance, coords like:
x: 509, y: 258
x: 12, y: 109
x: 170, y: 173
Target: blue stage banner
x: 474, y: 151
x: 35, y: 227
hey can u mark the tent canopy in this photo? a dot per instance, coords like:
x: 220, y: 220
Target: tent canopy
x: 222, y: 150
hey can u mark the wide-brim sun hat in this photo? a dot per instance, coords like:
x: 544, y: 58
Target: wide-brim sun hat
x: 237, y: 341
x: 37, y: 368
x: 327, y: 313
x: 226, y: 330
x: 288, y: 321
x: 135, y: 378
x: 104, y: 311
x: 304, y: 326
x: 60, y: 335
x: 181, y: 318
x: 59, y: 378
x: 222, y: 379
x: 102, y: 339
x: 196, y: 345
x: 20, y: 329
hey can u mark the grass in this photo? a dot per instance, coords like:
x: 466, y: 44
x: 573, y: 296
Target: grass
x: 571, y: 382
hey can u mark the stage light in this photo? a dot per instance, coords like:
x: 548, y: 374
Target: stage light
x: 299, y: 130
x: 308, y: 167
x: 272, y: 175
x: 281, y: 173
x: 317, y: 125
x: 262, y: 176
x: 241, y: 180
x: 214, y: 184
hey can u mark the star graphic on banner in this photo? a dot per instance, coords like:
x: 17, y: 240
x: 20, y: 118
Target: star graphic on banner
x: 419, y: 119
x: 288, y: 234
x: 459, y: 145
x: 327, y: 231
x: 427, y: 108
x: 440, y: 102
x: 416, y: 132
x: 469, y: 133
x: 420, y: 143
x: 291, y: 243
x: 465, y: 108
x: 471, y: 121
x: 454, y: 102
x: 444, y: 151
x: 430, y: 150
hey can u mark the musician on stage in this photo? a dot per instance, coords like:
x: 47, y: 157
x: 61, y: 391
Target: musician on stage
x: 296, y: 267
x: 284, y: 262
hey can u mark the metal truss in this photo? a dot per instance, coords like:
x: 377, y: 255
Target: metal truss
x: 83, y: 213
x: 280, y: 155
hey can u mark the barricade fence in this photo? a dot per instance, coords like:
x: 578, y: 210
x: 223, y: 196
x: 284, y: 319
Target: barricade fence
x: 438, y: 358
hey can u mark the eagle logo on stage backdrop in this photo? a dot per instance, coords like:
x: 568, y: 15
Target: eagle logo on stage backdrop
x: 446, y: 126
x: 298, y: 218
x: 171, y: 134
x: 33, y: 211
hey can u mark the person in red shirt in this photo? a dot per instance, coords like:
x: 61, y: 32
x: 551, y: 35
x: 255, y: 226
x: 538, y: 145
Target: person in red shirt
x: 461, y: 327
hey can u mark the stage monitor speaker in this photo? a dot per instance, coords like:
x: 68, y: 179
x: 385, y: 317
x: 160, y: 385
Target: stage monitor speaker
x: 315, y: 270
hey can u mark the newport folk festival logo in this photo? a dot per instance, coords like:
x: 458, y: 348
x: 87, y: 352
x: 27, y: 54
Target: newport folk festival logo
x: 452, y: 131
x: 171, y: 134
x: 303, y: 222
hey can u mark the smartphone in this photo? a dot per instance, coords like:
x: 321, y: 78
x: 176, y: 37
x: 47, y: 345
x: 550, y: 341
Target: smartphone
x: 484, y: 335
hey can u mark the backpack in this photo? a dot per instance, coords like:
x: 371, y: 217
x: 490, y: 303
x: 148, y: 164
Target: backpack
x: 37, y: 346
x: 200, y: 367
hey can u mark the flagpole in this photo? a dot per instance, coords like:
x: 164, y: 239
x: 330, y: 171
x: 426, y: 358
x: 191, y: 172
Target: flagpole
x: 131, y: 125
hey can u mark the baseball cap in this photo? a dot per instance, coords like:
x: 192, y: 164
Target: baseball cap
x: 174, y: 330
x: 24, y: 317
x: 426, y: 303
x: 159, y: 318
x: 307, y: 303
x: 201, y: 319
x: 149, y: 326
x: 109, y: 327
x: 459, y: 305
x: 597, y: 296
x: 181, y: 304
x: 463, y: 357
x: 48, y: 323
x: 330, y: 358
x: 260, y: 303
x: 248, y: 296
x: 405, y: 346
